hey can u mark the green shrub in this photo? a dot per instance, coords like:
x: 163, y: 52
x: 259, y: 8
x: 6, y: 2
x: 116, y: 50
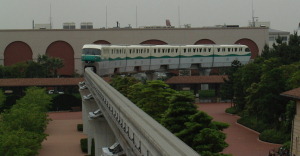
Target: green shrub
x: 93, y: 148
x: 253, y: 123
x: 274, y: 136
x: 84, y: 145
x: 80, y: 127
x: 232, y: 110
x: 206, y: 93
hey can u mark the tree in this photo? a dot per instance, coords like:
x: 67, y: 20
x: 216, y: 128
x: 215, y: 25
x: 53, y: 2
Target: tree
x: 20, y: 142
x: 264, y: 100
x: 204, y: 135
x: 50, y: 65
x: 2, y: 100
x: 22, y: 127
x: 37, y: 97
x: 227, y: 89
x: 155, y: 98
x: 122, y: 84
x: 181, y: 107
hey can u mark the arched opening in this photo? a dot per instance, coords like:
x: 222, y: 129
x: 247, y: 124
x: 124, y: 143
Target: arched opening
x: 251, y: 44
x: 17, y: 52
x: 205, y: 41
x: 101, y: 42
x: 154, y: 42
x: 64, y: 51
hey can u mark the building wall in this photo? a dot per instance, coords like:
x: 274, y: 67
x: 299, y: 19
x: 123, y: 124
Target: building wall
x: 40, y: 40
x: 296, y: 132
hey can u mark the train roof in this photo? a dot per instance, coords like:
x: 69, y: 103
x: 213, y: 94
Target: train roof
x: 160, y: 46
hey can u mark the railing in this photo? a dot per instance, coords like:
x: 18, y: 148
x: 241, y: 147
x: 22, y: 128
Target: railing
x: 137, y: 132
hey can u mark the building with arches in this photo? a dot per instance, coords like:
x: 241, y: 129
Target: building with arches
x: 23, y: 45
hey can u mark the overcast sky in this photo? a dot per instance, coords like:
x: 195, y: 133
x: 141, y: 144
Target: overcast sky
x: 19, y: 14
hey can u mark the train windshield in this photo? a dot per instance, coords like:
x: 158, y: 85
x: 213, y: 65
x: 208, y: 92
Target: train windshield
x: 91, y: 51
x: 247, y: 50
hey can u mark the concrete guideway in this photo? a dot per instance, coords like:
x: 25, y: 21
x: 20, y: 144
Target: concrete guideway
x: 242, y: 141
x: 63, y: 139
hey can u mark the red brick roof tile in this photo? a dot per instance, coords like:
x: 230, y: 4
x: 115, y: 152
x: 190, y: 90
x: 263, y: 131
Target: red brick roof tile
x: 40, y: 82
x: 196, y: 79
x: 295, y: 93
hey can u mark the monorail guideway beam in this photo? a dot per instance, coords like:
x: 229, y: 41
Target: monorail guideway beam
x: 136, y: 131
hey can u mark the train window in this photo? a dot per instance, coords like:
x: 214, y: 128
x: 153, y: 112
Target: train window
x: 228, y: 49
x: 168, y: 50
x: 223, y: 49
x: 194, y: 50
x: 235, y: 49
x: 189, y: 49
x: 218, y: 49
x: 91, y: 51
x: 176, y: 50
x: 200, y: 50
x: 209, y: 49
x: 247, y: 50
x: 184, y: 50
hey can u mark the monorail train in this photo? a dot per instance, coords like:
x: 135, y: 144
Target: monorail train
x: 110, y: 59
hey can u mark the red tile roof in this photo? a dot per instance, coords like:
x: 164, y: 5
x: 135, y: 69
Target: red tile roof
x: 196, y: 79
x: 295, y: 93
x: 40, y: 82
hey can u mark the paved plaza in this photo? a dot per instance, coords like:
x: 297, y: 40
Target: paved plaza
x: 64, y: 139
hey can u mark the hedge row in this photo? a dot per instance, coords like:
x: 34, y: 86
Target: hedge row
x: 22, y: 127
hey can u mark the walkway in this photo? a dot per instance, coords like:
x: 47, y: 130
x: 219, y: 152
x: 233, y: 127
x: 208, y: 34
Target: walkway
x: 63, y: 139
x: 242, y: 141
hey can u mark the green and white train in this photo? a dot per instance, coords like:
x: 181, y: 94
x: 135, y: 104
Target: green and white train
x: 110, y: 59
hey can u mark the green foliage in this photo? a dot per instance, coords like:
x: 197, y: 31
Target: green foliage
x: 177, y: 112
x: 122, y: 84
x: 80, y: 127
x: 2, y: 100
x: 84, y: 145
x: 206, y: 93
x: 22, y: 127
x: 257, y: 87
x: 44, y: 67
x: 155, y: 98
x: 232, y: 110
x: 20, y: 142
x: 210, y: 140
x: 227, y: 89
x: 181, y: 107
x: 253, y: 123
x: 202, y: 134
x: 93, y: 148
x: 37, y: 97
x: 274, y: 136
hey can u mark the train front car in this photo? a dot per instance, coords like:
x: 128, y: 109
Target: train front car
x: 91, y: 56
x: 91, y: 53
x: 224, y: 55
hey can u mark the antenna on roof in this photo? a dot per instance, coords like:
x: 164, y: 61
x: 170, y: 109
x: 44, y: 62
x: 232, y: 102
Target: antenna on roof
x: 50, y: 17
x: 178, y: 16
x: 106, y: 17
x: 136, y: 17
x: 253, y: 18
